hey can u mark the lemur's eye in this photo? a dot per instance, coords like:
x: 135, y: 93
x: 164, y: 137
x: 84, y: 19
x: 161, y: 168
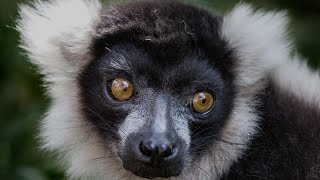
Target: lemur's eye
x: 203, y: 102
x: 122, y: 89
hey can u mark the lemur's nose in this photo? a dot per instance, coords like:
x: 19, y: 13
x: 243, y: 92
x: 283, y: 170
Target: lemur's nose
x: 151, y: 148
x: 158, y: 149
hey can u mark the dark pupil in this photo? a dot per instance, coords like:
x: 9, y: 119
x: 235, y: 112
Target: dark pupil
x: 203, y: 99
x: 125, y: 87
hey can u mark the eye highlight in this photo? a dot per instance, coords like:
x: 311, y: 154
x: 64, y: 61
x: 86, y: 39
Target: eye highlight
x: 121, y: 89
x: 203, y: 102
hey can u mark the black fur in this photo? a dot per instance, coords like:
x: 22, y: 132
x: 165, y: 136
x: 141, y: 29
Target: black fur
x: 287, y: 147
x: 165, y: 28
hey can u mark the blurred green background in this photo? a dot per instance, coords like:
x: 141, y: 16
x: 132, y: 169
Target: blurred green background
x: 23, y: 102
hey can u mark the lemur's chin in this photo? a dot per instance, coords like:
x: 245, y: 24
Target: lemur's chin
x: 152, y: 170
x: 156, y: 172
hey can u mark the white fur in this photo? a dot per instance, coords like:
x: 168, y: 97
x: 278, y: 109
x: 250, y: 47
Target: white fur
x: 134, y: 122
x: 296, y: 77
x: 57, y: 35
x: 259, y: 39
x: 181, y: 125
x: 160, y: 124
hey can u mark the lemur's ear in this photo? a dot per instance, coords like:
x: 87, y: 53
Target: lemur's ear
x: 57, y: 34
x: 260, y: 41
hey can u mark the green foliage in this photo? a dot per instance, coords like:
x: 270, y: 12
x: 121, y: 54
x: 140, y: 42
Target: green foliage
x: 23, y: 103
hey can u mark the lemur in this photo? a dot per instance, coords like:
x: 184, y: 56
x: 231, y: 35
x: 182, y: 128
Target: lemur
x: 166, y: 89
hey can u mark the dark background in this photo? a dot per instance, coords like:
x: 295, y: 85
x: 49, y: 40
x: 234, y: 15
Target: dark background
x: 23, y: 102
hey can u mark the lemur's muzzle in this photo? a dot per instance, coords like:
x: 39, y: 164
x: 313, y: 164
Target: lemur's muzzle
x: 151, y: 155
x: 155, y: 150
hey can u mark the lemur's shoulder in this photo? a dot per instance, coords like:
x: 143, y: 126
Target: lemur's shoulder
x: 287, y: 145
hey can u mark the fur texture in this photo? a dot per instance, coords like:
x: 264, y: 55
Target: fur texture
x: 65, y: 37
x: 288, y: 140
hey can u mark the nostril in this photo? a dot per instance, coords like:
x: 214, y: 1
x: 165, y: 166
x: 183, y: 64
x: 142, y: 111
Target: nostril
x: 147, y: 149
x: 165, y: 151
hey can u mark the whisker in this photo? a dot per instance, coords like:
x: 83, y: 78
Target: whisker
x: 98, y: 115
x: 202, y: 170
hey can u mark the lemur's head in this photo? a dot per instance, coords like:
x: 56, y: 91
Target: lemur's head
x: 149, y: 89
x: 159, y: 89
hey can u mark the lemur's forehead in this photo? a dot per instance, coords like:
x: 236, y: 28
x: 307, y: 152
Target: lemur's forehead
x: 157, y: 21
x: 167, y: 31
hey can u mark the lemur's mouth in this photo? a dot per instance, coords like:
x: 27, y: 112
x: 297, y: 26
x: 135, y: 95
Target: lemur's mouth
x: 150, y: 168
x: 150, y: 173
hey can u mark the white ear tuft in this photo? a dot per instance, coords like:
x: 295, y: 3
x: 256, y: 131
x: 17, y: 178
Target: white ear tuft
x: 259, y: 39
x: 57, y: 33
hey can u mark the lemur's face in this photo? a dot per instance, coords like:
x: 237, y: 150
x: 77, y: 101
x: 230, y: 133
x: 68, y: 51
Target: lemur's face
x: 158, y: 100
x: 158, y: 111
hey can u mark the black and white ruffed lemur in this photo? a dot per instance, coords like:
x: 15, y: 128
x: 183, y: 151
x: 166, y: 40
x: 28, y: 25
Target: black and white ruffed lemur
x: 164, y: 89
